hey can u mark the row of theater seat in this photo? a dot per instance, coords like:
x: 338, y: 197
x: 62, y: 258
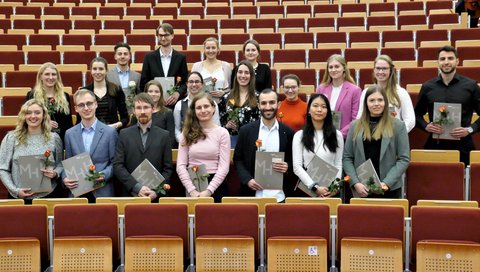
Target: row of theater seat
x: 298, y: 237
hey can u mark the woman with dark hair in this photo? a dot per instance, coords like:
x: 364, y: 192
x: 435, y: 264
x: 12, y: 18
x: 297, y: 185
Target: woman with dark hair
x: 49, y: 89
x: 318, y: 138
x: 383, y: 139
x: 110, y: 97
x: 239, y: 107
x: 204, y: 142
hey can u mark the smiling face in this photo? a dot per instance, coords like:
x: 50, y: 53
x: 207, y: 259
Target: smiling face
x: 99, y: 71
x: 251, y: 52
x: 49, y: 77
x: 290, y: 87
x: 243, y: 76
x: 381, y: 71
x: 336, y: 70
x: 376, y: 104
x: 122, y: 56
x: 86, y: 106
x: 204, y: 110
x: 164, y: 38
x: 447, y: 62
x: 318, y: 110
x: 194, y: 84
x: 211, y: 50
x: 154, y: 93
x: 34, y: 116
x: 268, y: 105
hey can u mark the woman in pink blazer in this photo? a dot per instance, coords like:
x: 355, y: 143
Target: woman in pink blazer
x: 340, y: 89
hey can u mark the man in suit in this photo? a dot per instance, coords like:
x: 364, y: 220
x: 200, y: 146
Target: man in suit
x: 94, y: 137
x: 275, y: 136
x: 166, y: 62
x: 139, y: 142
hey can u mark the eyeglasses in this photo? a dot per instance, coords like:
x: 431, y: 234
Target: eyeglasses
x: 382, y: 69
x: 194, y: 82
x: 88, y: 105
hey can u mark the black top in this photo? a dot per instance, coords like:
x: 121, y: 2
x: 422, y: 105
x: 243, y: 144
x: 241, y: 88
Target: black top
x: 163, y: 120
x: 64, y: 120
x: 263, y: 77
x: 372, y: 147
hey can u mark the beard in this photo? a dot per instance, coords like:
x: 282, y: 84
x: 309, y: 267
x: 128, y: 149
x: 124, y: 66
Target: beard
x: 265, y: 114
x: 144, y: 119
x: 452, y: 70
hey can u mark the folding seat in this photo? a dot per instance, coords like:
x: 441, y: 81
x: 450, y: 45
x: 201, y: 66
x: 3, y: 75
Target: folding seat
x: 321, y: 25
x: 437, y: 7
x: 268, y: 41
x: 317, y: 58
x: 196, y: 41
x: 381, y: 23
x: 76, y: 39
x: 261, y: 202
x: 50, y: 10
x: 107, y: 53
x: 308, y: 77
x: 261, y: 26
x: 165, y: 12
x: 428, y: 57
x: 471, y: 72
x: 12, y: 105
x: 145, y: 24
x: 438, y: 245
x: 382, y: 202
x: 444, y: 182
x: 23, y: 240
x: 360, y: 57
x: 244, y: 12
x: 416, y: 76
x: 354, y: 10
x: 105, y: 39
x: 298, y: 11
x: 326, y: 11
x: 238, y: 3
x: 6, y: 10
x: 348, y: 24
x: 124, y: 25
x: 124, y: 2
x: 292, y: 229
x: 82, y: 57
x: 432, y: 38
x: 427, y: 155
x: 216, y: 229
x: 13, y: 39
x: 192, y: 57
x: 402, y: 57
x: 234, y: 41
x: 271, y: 12
x: 190, y: 13
x: 233, y: 26
x: 170, y: 240
x: 448, y: 203
x: 20, y: 79
x: 299, y: 40
x: 291, y: 25
x: 36, y: 11
x: 111, y: 11
x: 75, y: 2
x: 193, y: 3
x: 410, y: 8
x: 412, y: 22
x: 381, y: 9
x: 16, y: 58
x: 65, y: 24
x: 204, y: 26
x: 365, y: 244
x: 139, y: 39
x: 133, y: 12
x: 50, y: 203
x: 364, y: 39
x: 178, y: 25
x: 33, y: 24
x: 289, y: 58
x: 40, y: 57
x: 332, y: 40
x: 444, y: 21
x: 90, y: 11
x: 85, y: 228
x: 398, y: 39
x: 213, y: 12
x: 167, y: 3
x: 365, y: 78
x: 218, y: 3
x: 180, y: 42
x: 465, y: 37
x: 94, y: 25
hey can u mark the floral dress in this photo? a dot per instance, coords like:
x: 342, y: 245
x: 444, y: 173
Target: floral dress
x: 244, y: 114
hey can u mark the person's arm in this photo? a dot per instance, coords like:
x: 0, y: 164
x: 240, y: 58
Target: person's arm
x: 227, y: 72
x: 476, y: 98
x: 360, y: 104
x: 182, y: 90
x: 112, y: 142
x: 177, y: 119
x: 119, y: 168
x: 297, y: 160
x: 241, y: 150
x: 356, y: 93
x: 68, y: 121
x: 6, y: 153
x: 339, y: 154
x: 421, y: 108
x: 349, y: 157
x: 58, y: 155
x: 170, y: 125
x: 167, y: 166
x: 223, y: 162
x: 408, y: 113
x: 216, y: 115
x: 122, y: 107
x: 402, y: 149
x: 182, y: 164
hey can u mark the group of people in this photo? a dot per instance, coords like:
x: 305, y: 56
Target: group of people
x: 340, y: 124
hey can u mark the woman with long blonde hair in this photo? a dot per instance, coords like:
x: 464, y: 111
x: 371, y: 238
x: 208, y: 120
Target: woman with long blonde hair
x: 385, y: 75
x: 204, y: 142
x: 340, y: 89
x: 50, y: 90
x: 377, y: 136
x: 32, y: 136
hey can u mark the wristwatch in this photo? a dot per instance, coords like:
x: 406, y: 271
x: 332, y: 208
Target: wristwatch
x: 314, y: 188
x: 470, y: 130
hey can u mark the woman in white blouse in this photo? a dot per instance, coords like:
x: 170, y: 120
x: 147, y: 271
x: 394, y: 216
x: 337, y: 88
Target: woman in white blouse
x: 401, y: 106
x: 318, y: 137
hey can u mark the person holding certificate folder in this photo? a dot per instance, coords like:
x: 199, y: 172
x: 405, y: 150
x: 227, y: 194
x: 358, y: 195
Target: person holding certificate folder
x: 383, y: 139
x: 318, y: 138
x: 203, y: 142
x: 32, y: 136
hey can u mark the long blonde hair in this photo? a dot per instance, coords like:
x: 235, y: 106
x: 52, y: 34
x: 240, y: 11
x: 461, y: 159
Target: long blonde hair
x: 40, y: 94
x: 384, y: 127
x: 392, y: 81
x: 327, y: 79
x: 21, y: 130
x: 192, y: 130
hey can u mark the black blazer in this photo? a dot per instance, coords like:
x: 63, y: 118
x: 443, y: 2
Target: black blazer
x: 130, y: 153
x: 152, y: 67
x: 244, y: 156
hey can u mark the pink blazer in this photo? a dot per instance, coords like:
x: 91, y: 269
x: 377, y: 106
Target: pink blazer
x: 348, y: 103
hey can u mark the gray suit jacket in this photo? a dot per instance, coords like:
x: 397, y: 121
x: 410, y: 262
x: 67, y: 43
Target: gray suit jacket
x: 112, y: 76
x: 394, y: 155
x: 102, y: 152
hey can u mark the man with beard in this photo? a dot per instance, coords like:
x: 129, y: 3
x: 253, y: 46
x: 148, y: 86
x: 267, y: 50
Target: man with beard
x: 275, y: 137
x: 450, y: 87
x: 139, y: 142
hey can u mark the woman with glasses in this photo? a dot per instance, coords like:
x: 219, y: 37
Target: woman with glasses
x: 292, y: 110
x: 32, y: 136
x: 218, y: 71
x: 340, y: 89
x: 49, y: 89
x: 401, y: 107
x: 194, y: 87
x: 110, y: 97
x: 204, y: 142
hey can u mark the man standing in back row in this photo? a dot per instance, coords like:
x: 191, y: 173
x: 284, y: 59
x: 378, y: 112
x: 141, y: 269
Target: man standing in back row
x: 450, y: 87
x: 166, y: 62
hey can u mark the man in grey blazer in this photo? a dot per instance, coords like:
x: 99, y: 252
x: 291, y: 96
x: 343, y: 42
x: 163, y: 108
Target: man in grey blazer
x: 94, y: 137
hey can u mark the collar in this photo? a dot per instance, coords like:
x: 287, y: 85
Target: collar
x: 263, y: 126
x: 93, y: 127
x: 165, y: 55
x: 120, y: 70
x: 148, y: 126
x: 455, y: 78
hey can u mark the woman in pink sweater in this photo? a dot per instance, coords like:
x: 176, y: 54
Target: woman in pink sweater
x: 204, y: 142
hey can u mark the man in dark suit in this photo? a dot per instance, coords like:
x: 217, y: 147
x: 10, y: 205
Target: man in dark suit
x: 94, y: 137
x: 166, y: 62
x: 139, y: 142
x: 275, y: 136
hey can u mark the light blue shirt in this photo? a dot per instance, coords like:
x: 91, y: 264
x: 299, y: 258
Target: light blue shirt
x: 87, y: 135
x: 124, y: 77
